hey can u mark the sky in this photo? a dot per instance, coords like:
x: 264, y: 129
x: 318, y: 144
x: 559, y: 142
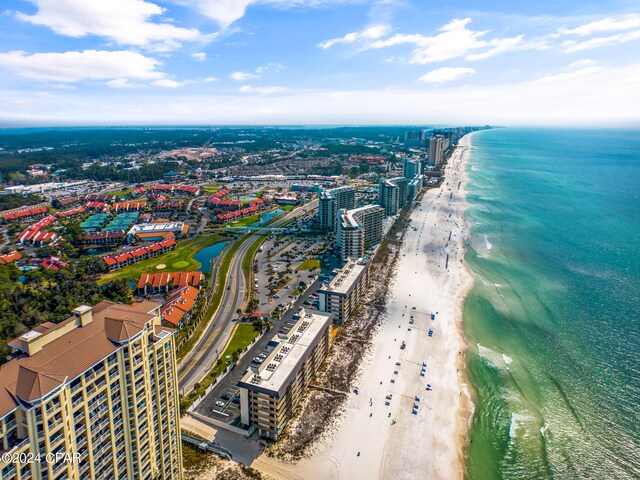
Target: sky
x: 320, y: 62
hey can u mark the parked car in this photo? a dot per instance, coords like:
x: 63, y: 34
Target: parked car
x: 220, y: 403
x: 225, y: 396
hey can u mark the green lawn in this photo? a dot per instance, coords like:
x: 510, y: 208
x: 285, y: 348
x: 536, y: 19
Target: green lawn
x: 243, y: 336
x: 246, y: 221
x: 310, y: 264
x: 180, y: 259
x: 211, y: 187
x: 122, y: 193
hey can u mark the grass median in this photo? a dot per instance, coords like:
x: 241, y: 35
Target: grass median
x: 243, y: 335
x: 223, y: 271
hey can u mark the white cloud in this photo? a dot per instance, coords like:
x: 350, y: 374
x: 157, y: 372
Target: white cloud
x: 454, y: 40
x: 446, y: 74
x: 167, y: 83
x: 211, y: 79
x: 124, y: 22
x: 199, y: 56
x: 597, y: 42
x: 260, y: 90
x: 225, y: 12
x: 86, y: 65
x: 120, y: 83
x: 570, y: 75
x: 499, y: 46
x: 242, y: 76
x: 614, y: 100
x: 370, y: 33
x: 608, y: 24
x: 180, y: 109
x: 585, y: 62
x: 270, y: 67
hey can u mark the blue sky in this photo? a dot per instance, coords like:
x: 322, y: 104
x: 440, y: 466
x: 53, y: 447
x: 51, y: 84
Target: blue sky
x: 511, y: 62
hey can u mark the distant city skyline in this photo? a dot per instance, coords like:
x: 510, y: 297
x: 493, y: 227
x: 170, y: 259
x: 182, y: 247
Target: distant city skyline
x: 322, y: 62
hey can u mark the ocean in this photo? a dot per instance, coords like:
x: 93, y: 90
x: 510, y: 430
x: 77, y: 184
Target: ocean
x: 553, y: 321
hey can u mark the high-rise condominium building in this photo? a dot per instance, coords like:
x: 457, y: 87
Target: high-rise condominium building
x: 435, y: 151
x: 330, y: 201
x: 359, y: 229
x: 402, y: 183
x: 388, y: 196
x: 270, y: 392
x: 411, y: 168
x: 94, y: 397
x: 344, y: 292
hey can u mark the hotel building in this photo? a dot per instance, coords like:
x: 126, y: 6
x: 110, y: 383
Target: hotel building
x: 343, y: 294
x: 359, y: 229
x: 96, y: 396
x: 270, y: 392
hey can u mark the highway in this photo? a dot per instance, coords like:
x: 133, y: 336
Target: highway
x: 211, y: 344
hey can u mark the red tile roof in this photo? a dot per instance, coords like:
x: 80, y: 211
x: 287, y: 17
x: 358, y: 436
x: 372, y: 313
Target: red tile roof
x: 10, y: 257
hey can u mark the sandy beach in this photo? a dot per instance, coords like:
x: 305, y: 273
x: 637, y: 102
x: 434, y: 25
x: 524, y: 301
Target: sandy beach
x: 397, y: 426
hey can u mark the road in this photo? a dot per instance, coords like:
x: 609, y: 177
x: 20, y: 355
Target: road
x: 228, y: 384
x: 206, y: 351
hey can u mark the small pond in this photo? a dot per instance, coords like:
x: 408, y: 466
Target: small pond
x: 207, y: 254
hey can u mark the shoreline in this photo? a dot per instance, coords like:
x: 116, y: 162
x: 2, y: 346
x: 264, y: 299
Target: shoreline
x: 467, y: 408
x: 379, y: 438
x: 395, y: 427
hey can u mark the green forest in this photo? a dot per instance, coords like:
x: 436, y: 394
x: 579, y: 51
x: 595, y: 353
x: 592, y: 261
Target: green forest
x: 30, y: 298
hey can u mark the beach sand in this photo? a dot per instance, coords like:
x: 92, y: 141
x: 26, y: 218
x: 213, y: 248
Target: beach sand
x: 374, y: 440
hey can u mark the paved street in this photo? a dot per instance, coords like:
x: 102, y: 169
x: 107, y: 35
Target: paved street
x: 231, y: 411
x: 205, y: 353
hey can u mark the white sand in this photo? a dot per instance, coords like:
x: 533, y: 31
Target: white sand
x: 428, y: 445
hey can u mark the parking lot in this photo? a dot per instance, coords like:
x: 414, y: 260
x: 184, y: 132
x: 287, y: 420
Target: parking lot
x: 278, y: 282
x: 226, y: 392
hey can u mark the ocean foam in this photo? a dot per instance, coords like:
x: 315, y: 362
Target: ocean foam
x: 488, y: 243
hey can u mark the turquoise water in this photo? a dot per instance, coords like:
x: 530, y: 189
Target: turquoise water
x: 207, y: 254
x: 269, y: 215
x: 553, y: 319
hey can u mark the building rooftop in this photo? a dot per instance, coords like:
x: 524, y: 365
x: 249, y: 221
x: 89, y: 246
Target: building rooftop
x: 159, y: 227
x: 52, y: 354
x: 346, y: 277
x: 275, y: 374
x: 349, y: 217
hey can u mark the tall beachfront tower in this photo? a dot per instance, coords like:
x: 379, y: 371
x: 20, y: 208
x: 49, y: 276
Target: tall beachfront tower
x: 359, y: 229
x: 411, y: 168
x: 330, y: 201
x: 388, y: 196
x: 96, y: 396
x: 435, y: 151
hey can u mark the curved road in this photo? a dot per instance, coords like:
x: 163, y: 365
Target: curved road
x: 212, y: 342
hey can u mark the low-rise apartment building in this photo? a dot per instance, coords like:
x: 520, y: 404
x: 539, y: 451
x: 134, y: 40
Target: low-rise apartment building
x: 270, y: 392
x: 341, y: 296
x: 95, y: 396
